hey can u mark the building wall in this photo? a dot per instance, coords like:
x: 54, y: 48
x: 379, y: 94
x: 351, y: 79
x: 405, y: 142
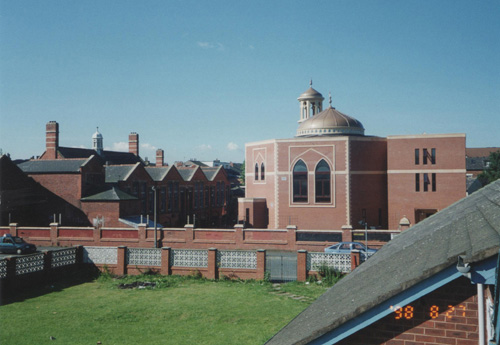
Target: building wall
x: 105, y: 212
x: 372, y: 179
x: 449, y: 170
x: 368, y: 182
x: 446, y: 316
x: 66, y: 186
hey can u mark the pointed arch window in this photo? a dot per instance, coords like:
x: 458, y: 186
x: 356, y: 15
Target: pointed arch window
x: 300, y: 182
x: 322, y: 177
x: 262, y: 172
x: 256, y: 171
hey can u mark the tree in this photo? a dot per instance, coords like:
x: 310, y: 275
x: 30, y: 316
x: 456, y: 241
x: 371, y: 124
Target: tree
x: 242, y: 173
x: 492, y: 171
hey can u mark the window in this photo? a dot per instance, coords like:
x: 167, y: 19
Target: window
x: 417, y: 182
x: 426, y: 182
x: 433, y: 182
x: 262, y: 172
x: 170, y: 194
x: 322, y: 177
x: 300, y: 182
x: 163, y: 199
x: 431, y: 156
x: 256, y: 172
x: 417, y: 156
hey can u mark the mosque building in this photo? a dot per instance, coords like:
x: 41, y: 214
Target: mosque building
x: 331, y: 176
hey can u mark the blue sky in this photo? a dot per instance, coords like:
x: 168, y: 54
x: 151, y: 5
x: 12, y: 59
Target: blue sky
x: 199, y: 79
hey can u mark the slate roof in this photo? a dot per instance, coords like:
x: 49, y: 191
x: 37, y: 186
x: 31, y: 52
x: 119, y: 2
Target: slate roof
x: 186, y: 173
x: 115, y: 173
x: 111, y: 157
x: 469, y: 227
x: 158, y: 173
x: 475, y: 163
x: 52, y: 166
x: 113, y: 194
x: 210, y: 172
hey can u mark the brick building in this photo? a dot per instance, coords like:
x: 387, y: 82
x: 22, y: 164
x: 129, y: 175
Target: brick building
x: 436, y: 283
x: 333, y: 176
x: 118, y: 189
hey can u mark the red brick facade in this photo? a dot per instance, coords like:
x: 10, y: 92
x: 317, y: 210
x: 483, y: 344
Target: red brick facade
x: 371, y: 180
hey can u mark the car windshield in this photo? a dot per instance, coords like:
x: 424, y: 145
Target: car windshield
x: 18, y: 240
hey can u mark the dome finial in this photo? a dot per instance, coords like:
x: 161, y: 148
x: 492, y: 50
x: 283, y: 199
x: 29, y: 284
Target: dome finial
x: 311, y: 82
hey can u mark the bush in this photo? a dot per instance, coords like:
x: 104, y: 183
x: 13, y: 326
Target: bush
x: 329, y: 274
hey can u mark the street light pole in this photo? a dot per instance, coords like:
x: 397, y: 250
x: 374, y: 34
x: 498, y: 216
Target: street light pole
x: 154, y: 215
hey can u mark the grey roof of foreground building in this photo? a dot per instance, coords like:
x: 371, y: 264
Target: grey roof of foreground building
x: 469, y: 227
x: 52, y: 166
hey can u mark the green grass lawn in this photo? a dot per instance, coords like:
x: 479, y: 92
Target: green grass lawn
x: 180, y: 310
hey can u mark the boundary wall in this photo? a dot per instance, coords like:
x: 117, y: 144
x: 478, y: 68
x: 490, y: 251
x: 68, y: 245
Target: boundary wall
x: 289, y: 239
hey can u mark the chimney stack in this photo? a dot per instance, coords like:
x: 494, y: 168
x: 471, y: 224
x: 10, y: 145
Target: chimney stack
x: 51, y: 140
x: 133, y: 143
x: 160, y: 158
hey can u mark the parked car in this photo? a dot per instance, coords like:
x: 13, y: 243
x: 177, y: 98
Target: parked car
x: 347, y: 247
x: 15, y: 245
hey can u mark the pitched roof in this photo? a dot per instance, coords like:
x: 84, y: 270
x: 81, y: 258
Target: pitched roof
x: 112, y: 194
x: 52, y: 166
x: 210, y: 172
x: 194, y: 162
x: 111, y: 157
x: 186, y: 173
x: 469, y: 227
x: 115, y: 173
x: 158, y: 173
x: 480, y: 151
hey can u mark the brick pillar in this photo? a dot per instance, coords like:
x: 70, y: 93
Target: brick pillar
x: 212, y: 264
x: 97, y: 235
x: 142, y: 235
x: 189, y: 234
x: 47, y: 263
x: 355, y: 259
x: 261, y: 264
x: 13, y: 229
x: 121, y: 262
x: 239, y: 235
x: 302, y: 265
x: 165, y: 261
x: 291, y: 236
x: 79, y: 255
x: 54, y: 233
x: 346, y: 233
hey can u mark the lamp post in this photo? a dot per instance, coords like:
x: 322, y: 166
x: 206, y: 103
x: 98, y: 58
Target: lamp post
x: 154, y: 215
x: 363, y: 222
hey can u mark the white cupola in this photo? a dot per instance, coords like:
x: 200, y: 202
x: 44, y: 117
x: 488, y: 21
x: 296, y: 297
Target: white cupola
x: 97, y: 142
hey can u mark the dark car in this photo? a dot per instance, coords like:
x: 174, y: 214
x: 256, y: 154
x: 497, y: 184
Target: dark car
x: 15, y: 245
x: 347, y: 247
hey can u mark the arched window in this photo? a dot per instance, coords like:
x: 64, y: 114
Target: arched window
x: 256, y: 172
x: 300, y: 182
x: 262, y: 172
x: 322, y: 177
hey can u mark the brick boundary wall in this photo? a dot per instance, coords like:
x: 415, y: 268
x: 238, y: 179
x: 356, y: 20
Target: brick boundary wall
x: 212, y: 271
x: 187, y: 237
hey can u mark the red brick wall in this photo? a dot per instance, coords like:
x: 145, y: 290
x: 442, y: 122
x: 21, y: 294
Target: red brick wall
x: 66, y: 186
x: 457, y: 325
x: 403, y: 199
